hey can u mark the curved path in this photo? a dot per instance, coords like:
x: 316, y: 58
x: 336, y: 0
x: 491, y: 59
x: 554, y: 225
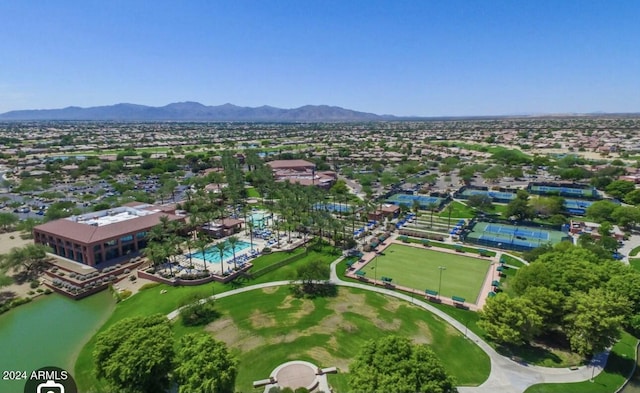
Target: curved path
x: 506, y: 376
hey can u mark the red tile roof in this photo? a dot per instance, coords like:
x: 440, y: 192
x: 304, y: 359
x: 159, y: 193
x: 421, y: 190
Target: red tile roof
x: 84, y: 233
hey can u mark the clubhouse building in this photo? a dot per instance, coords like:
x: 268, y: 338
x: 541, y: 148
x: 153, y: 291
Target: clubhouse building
x: 301, y: 172
x: 104, y: 236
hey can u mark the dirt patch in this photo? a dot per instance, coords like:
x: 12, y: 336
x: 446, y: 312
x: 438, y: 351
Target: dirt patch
x: 7, y: 243
x: 347, y: 301
x: 224, y: 329
x: 393, y: 304
x: 347, y: 327
x: 424, y: 335
x: 389, y: 326
x: 227, y: 331
x: 270, y: 290
x: 261, y: 320
x: 305, y: 308
x: 323, y: 358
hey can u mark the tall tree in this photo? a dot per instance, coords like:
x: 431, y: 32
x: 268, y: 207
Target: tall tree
x: 221, y: 246
x: 510, y: 320
x: 135, y: 355
x: 30, y: 258
x: 394, y: 364
x: 233, y: 242
x: 204, y: 365
x: 595, y: 320
x: 519, y: 207
x: 432, y: 207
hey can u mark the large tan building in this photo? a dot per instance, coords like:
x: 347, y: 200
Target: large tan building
x: 100, y: 237
x: 302, y: 172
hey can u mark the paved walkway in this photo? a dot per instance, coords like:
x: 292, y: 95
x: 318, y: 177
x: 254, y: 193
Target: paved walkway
x: 507, y: 376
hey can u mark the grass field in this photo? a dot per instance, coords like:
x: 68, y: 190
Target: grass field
x: 149, y: 302
x: 616, y: 371
x: 268, y: 327
x: 418, y: 268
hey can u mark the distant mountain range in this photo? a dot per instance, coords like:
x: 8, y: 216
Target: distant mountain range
x: 194, y: 111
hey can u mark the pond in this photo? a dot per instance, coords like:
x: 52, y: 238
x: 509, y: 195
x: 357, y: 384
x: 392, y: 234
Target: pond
x: 50, y: 331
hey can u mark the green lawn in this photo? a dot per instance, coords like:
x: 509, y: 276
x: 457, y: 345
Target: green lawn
x: 450, y: 246
x: 635, y: 263
x: 509, y: 260
x: 460, y: 210
x: 419, y: 268
x: 634, y: 252
x: 151, y: 301
x: 265, y: 328
x: 617, y: 370
x: 252, y: 192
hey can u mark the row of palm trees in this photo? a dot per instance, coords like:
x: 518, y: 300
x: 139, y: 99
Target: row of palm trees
x: 169, y: 239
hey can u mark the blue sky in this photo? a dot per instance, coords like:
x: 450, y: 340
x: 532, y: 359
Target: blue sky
x: 428, y: 58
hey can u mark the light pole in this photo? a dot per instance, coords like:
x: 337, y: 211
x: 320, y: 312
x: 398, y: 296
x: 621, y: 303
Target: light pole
x: 375, y: 270
x: 441, y: 268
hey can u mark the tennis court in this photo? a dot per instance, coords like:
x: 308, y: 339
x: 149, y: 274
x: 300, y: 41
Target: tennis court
x: 423, y: 200
x: 513, y: 237
x: 517, y: 231
x: 562, y: 190
x: 496, y: 196
x: 418, y: 268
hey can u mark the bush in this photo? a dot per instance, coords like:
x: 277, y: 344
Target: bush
x: 48, y: 291
x: 149, y: 285
x: 19, y: 301
x: 132, y: 278
x: 125, y: 294
x: 199, y: 313
x: 301, y: 390
x: 287, y: 390
x: 31, y: 293
x: 34, y: 284
x: 266, y: 250
x: 39, y: 290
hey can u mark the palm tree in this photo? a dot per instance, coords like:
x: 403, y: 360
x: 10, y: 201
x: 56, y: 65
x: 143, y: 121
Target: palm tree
x: 221, y: 246
x: 156, y: 253
x: 416, y: 209
x: 449, y: 210
x: 188, y: 241
x: 233, y: 241
x: 201, y: 244
x: 250, y: 224
x: 432, y: 208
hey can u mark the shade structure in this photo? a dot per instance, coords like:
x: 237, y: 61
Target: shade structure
x: 431, y: 292
x: 492, y: 294
x: 495, y: 283
x: 500, y: 268
x: 360, y: 273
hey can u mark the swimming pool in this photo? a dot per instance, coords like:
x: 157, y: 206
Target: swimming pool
x: 212, y: 253
x: 258, y: 219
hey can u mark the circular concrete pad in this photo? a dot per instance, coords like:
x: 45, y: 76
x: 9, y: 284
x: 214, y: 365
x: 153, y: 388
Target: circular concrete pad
x: 296, y: 374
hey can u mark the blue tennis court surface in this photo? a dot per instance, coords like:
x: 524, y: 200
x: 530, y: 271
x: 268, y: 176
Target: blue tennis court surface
x: 497, y: 195
x: 407, y: 199
x: 517, y: 232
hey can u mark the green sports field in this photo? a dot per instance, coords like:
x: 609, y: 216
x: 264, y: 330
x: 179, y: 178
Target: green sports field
x: 418, y: 268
